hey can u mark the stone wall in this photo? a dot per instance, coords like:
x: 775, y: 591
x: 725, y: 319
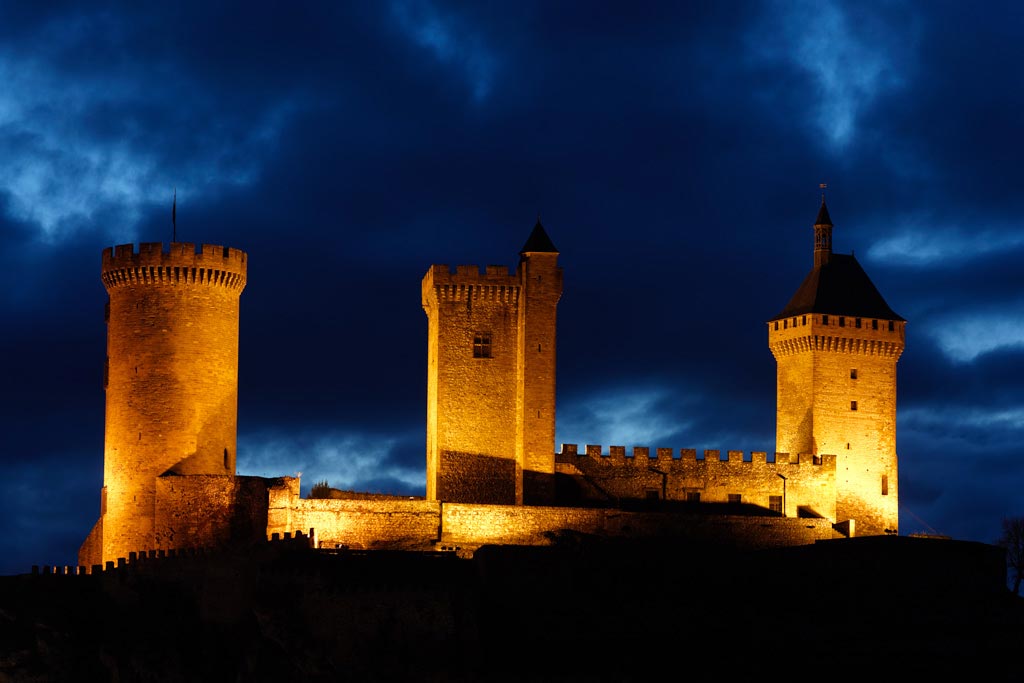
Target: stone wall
x: 209, y: 511
x: 805, y: 485
x: 470, y: 526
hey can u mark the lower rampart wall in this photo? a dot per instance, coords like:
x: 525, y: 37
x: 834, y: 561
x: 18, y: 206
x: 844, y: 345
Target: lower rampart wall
x: 398, y: 524
x: 476, y: 525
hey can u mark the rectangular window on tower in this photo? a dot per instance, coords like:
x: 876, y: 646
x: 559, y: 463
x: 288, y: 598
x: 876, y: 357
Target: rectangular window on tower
x: 853, y: 405
x: 853, y: 373
x: 482, y: 345
x: 885, y: 485
x: 775, y: 504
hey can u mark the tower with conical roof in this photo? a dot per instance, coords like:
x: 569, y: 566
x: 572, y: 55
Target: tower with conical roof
x: 836, y: 345
x: 491, y: 378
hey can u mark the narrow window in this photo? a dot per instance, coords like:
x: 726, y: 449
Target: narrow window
x: 794, y: 322
x: 226, y: 459
x: 842, y: 321
x: 892, y: 326
x: 775, y: 504
x: 853, y: 405
x: 824, y: 320
x: 874, y: 324
x: 776, y: 324
x: 785, y: 324
x: 885, y: 484
x: 853, y: 373
x: 804, y: 321
x: 735, y: 498
x: 856, y: 323
x: 482, y: 345
x: 816, y: 459
x: 693, y: 496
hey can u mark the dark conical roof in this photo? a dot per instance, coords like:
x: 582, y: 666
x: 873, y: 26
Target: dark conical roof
x: 823, y: 217
x: 838, y: 287
x: 539, y: 241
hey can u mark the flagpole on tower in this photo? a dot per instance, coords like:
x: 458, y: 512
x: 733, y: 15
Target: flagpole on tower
x: 174, y: 217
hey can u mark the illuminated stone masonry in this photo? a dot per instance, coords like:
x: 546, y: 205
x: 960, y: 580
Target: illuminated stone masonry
x: 492, y: 472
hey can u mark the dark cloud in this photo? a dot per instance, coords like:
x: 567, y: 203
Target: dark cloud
x: 672, y: 150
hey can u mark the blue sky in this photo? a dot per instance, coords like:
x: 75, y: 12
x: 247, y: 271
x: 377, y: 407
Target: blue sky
x: 674, y: 152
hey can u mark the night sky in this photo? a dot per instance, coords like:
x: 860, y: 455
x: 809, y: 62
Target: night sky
x: 673, y: 151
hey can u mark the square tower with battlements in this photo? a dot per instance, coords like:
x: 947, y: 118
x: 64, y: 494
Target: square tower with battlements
x: 491, y: 378
x: 836, y: 345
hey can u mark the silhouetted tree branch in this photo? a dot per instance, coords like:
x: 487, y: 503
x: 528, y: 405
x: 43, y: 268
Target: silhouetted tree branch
x: 320, y: 490
x: 1013, y: 540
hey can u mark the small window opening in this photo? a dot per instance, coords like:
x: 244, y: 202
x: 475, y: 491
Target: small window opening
x: 853, y: 405
x: 816, y: 459
x: 775, y: 504
x: 885, y: 484
x: 776, y: 324
x: 856, y: 323
x: 804, y: 322
x: 824, y: 320
x: 853, y: 373
x: 874, y: 324
x: 226, y: 458
x: 785, y: 324
x: 482, y: 345
x: 842, y: 321
x: 892, y: 326
x: 693, y: 496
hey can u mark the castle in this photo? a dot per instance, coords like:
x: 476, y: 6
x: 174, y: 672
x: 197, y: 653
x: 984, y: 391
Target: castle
x: 493, y: 474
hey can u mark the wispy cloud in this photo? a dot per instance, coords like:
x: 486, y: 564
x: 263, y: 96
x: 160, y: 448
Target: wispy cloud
x: 635, y: 417
x: 74, y: 149
x: 346, y: 460
x: 919, y: 243
x: 850, y: 63
x: 963, y: 337
x: 450, y: 41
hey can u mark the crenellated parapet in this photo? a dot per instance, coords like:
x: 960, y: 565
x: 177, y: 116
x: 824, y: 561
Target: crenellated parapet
x: 181, y: 263
x: 468, y: 283
x: 683, y: 458
x: 787, y: 484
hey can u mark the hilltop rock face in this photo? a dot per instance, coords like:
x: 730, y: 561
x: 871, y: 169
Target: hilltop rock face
x: 584, y: 610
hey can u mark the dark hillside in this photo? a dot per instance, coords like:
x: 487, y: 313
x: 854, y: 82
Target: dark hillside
x: 584, y: 610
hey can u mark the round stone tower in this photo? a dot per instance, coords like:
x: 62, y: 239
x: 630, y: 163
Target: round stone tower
x: 171, y: 378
